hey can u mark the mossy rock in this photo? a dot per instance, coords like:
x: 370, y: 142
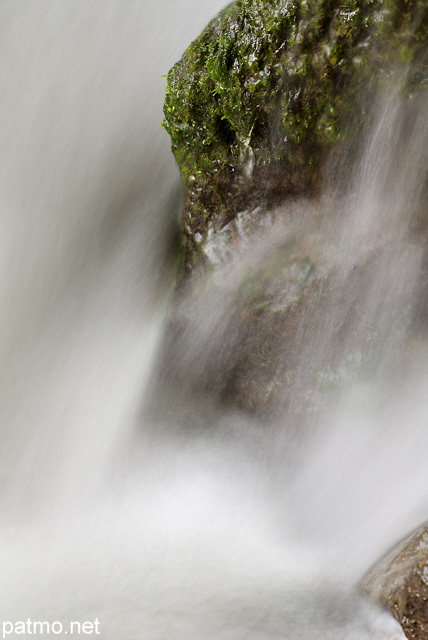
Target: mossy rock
x: 269, y: 87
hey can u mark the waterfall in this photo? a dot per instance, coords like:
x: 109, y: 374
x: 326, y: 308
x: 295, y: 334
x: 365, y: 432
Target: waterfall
x: 197, y: 519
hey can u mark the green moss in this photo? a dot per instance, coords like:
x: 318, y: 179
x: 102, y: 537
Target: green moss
x: 268, y: 87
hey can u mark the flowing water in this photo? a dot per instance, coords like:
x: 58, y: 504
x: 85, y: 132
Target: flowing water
x: 204, y: 522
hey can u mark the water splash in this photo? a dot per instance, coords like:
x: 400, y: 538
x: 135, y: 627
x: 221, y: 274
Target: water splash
x: 204, y: 522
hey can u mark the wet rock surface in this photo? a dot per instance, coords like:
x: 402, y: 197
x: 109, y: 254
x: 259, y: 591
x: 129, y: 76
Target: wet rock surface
x: 267, y: 106
x: 399, y: 582
x: 269, y: 88
x: 281, y: 325
x: 264, y: 277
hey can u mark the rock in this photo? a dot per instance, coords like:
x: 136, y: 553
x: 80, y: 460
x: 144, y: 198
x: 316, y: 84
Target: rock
x: 277, y: 327
x: 399, y: 582
x: 270, y: 87
x: 269, y: 91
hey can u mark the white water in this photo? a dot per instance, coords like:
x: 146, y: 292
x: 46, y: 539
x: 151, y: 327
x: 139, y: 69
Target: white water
x: 162, y: 531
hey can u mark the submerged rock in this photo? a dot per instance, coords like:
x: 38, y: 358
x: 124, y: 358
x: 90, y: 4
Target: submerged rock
x: 268, y: 88
x: 399, y: 582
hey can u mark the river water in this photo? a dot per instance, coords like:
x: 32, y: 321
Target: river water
x: 193, y: 525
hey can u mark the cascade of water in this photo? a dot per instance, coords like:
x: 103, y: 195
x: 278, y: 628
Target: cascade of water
x: 89, y: 207
x: 196, y: 525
